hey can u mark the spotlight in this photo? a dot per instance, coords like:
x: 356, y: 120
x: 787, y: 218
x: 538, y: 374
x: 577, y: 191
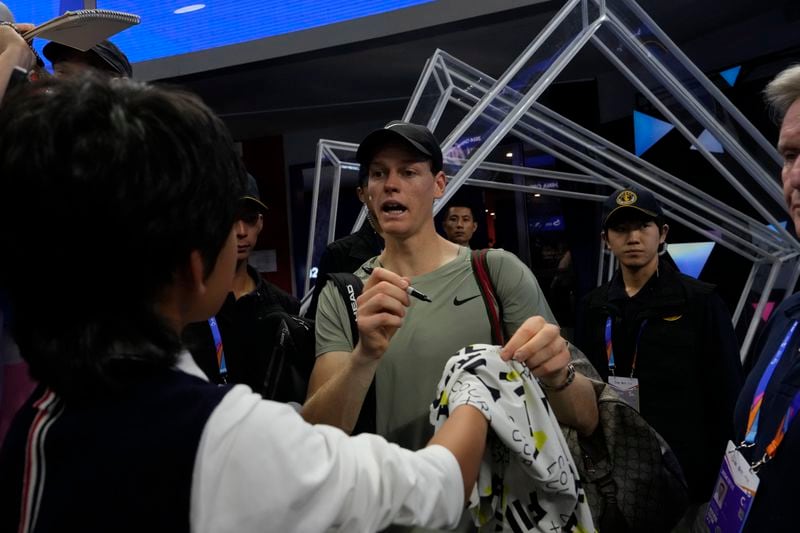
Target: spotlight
x: 189, y: 9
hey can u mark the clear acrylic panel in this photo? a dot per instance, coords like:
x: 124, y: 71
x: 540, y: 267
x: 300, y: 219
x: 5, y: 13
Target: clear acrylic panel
x: 472, y: 113
x: 325, y: 174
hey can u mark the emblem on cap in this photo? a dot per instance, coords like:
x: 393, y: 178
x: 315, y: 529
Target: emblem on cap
x: 626, y: 198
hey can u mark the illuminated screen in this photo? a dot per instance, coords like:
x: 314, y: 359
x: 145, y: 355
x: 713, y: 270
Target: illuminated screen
x: 691, y: 257
x: 174, y: 27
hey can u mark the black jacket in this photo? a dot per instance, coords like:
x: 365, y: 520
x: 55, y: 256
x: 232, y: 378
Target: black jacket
x: 247, y: 344
x: 124, y: 462
x: 773, y: 508
x: 688, y: 363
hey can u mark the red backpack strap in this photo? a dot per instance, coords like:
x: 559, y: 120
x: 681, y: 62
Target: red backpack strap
x: 480, y: 267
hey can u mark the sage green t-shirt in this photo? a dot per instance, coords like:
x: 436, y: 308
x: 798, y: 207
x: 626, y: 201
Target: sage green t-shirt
x: 410, y: 369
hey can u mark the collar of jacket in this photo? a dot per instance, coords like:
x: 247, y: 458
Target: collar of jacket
x: 230, y: 299
x: 664, y: 295
x: 791, y: 309
x: 789, y: 312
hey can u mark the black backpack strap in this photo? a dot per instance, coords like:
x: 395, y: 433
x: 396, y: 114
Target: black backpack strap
x: 494, y: 309
x: 350, y: 287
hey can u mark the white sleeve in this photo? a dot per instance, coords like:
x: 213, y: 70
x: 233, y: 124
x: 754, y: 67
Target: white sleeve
x: 260, y: 467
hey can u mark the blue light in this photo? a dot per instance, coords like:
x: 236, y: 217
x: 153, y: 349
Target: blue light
x: 710, y: 143
x: 163, y: 33
x: 647, y: 131
x: 783, y: 225
x: 189, y: 9
x: 546, y: 223
x: 691, y: 257
x: 731, y: 75
x: 539, y: 161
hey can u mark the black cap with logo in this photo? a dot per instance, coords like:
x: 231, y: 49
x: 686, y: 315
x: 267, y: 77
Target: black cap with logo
x: 419, y: 137
x: 640, y: 201
x: 105, y: 54
x: 251, y: 196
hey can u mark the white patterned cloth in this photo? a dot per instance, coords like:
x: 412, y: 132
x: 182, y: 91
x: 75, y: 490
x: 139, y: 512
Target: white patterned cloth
x: 528, y: 480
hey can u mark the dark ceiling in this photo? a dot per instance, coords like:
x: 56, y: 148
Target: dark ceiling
x: 373, y: 80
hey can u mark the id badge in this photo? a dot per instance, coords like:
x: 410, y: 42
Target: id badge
x: 627, y: 389
x: 733, y: 493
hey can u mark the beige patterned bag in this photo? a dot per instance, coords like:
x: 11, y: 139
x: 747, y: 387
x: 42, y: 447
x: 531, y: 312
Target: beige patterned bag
x: 631, y: 477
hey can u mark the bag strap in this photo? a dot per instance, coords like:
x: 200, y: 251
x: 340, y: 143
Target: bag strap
x: 480, y: 268
x: 350, y: 287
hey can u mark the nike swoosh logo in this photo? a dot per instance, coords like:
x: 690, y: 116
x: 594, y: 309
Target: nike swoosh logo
x: 456, y: 301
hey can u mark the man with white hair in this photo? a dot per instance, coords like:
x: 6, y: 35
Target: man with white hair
x: 764, y: 417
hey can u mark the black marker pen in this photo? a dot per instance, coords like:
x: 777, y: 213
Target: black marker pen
x: 410, y: 290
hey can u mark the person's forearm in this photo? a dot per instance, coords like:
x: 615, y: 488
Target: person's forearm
x: 464, y: 434
x: 338, y: 401
x: 576, y: 405
x: 14, y: 52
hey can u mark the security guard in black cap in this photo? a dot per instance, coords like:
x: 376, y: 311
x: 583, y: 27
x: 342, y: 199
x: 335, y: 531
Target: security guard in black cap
x: 664, y: 341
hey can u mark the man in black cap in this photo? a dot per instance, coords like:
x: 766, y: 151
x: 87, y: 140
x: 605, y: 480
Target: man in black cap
x: 235, y: 327
x: 663, y: 340
x: 404, y: 343
x: 104, y: 56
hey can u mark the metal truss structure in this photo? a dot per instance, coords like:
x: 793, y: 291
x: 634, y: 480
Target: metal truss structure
x: 492, y: 109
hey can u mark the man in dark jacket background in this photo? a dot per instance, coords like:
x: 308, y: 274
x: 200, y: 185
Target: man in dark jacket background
x: 664, y: 341
x: 773, y: 507
x: 247, y: 343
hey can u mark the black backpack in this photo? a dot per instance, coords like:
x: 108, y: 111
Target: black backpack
x: 288, y: 366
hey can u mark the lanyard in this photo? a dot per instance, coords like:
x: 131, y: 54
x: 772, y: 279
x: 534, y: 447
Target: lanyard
x: 610, y: 347
x: 223, y: 368
x: 758, y: 399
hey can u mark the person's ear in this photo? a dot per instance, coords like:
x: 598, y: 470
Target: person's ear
x: 664, y: 231
x: 195, y: 273
x: 259, y: 224
x: 439, y: 182
x: 362, y: 194
x: 604, y: 238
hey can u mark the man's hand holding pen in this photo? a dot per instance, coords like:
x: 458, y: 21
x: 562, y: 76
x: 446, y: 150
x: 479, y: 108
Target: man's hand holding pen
x: 410, y: 290
x: 381, y: 308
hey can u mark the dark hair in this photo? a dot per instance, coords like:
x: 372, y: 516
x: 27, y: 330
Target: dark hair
x: 460, y: 204
x: 106, y: 187
x: 630, y: 215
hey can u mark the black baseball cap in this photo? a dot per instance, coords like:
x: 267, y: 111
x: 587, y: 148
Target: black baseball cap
x: 419, y: 137
x: 104, y: 55
x: 636, y: 199
x: 251, y: 195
